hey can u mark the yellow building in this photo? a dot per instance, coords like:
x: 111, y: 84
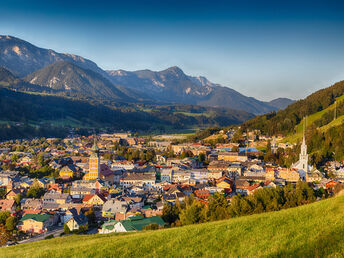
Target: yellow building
x: 94, y: 164
x: 35, y: 223
x: 224, y: 183
x: 289, y: 175
x: 67, y: 172
x: 94, y: 199
x: 270, y: 174
x: 232, y: 156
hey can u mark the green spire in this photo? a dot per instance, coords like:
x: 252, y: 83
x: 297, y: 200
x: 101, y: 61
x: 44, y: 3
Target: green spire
x: 95, y: 146
x: 95, y: 149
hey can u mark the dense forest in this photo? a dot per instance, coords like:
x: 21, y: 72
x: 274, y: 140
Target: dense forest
x: 284, y: 121
x: 323, y: 145
x: 27, y: 115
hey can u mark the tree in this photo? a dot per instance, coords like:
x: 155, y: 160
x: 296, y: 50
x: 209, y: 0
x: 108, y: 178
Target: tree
x: 150, y: 155
x: 217, y: 208
x: 14, y: 158
x: 2, y: 193
x: 193, y: 213
x: 91, y: 216
x: 35, y: 192
x: 18, y: 198
x: 11, y: 223
x: 142, y: 156
x: 153, y: 226
x: 66, y: 229
x: 108, y: 156
x: 41, y: 160
x: 3, y: 217
x: 170, y: 213
x: 201, y: 157
x: 4, y: 235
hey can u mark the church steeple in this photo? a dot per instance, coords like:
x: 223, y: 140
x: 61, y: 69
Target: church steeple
x: 95, y: 149
x: 303, y: 154
x: 94, y: 163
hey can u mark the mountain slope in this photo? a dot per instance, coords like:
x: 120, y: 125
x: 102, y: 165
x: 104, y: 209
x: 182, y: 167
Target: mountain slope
x: 172, y: 85
x: 22, y: 58
x: 47, y: 110
x: 323, y: 120
x: 8, y: 80
x: 313, y: 230
x: 284, y: 121
x: 6, y: 76
x: 66, y: 76
x: 281, y: 103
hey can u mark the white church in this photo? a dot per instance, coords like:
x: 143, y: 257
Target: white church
x: 306, y: 171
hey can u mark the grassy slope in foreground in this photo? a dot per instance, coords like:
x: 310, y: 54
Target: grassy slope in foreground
x: 311, y: 230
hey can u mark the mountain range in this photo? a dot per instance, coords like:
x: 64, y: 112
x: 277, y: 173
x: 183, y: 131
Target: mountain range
x: 73, y: 74
x: 31, y: 110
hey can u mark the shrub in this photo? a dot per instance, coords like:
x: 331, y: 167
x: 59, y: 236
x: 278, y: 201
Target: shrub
x: 49, y: 237
x: 66, y: 229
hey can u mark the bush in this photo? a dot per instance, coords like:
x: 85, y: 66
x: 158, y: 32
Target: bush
x: 66, y: 229
x: 49, y: 237
x: 153, y: 226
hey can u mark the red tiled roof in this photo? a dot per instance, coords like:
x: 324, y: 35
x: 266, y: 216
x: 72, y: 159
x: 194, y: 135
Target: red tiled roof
x: 88, y: 197
x: 6, y: 205
x: 253, y: 187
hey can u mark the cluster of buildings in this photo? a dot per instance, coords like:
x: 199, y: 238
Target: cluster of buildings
x: 123, y: 195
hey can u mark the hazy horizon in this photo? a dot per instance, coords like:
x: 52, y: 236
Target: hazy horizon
x: 262, y: 49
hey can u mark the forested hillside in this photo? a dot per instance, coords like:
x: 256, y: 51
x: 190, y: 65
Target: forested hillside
x: 284, y: 121
x: 22, y: 115
x: 324, y: 110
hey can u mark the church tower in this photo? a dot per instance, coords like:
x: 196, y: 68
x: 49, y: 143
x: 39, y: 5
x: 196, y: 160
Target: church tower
x: 303, y: 158
x: 94, y: 163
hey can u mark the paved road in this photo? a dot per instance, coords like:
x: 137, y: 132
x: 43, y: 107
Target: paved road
x: 55, y: 232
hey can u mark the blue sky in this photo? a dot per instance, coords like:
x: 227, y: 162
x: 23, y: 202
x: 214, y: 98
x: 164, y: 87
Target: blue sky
x: 264, y: 49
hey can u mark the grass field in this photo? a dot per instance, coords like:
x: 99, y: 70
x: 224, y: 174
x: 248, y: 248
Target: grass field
x: 293, y: 138
x: 333, y: 123
x: 314, y: 230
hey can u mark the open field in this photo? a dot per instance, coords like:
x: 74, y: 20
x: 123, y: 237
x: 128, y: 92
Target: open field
x: 314, y: 230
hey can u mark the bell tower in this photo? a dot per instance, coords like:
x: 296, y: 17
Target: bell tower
x: 303, y: 158
x: 94, y: 162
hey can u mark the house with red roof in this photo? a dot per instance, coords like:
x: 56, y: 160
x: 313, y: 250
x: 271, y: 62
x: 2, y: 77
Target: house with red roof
x: 8, y: 205
x: 94, y: 199
x: 202, y: 194
x: 252, y: 188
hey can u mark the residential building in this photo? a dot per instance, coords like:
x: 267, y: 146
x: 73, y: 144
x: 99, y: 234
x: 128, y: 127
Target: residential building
x: 138, y: 179
x: 35, y: 223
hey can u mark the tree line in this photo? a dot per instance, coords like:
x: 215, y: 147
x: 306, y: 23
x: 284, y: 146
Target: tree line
x: 217, y: 207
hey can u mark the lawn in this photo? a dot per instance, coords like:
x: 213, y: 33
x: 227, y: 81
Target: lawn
x: 314, y: 230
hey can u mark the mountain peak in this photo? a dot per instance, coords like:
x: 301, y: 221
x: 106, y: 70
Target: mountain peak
x: 175, y: 69
x: 8, y: 37
x: 281, y: 103
x: 22, y: 58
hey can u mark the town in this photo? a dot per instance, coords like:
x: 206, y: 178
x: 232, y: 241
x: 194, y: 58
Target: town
x: 119, y: 182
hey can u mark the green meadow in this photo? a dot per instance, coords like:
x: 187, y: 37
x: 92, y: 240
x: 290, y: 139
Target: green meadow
x: 314, y: 230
